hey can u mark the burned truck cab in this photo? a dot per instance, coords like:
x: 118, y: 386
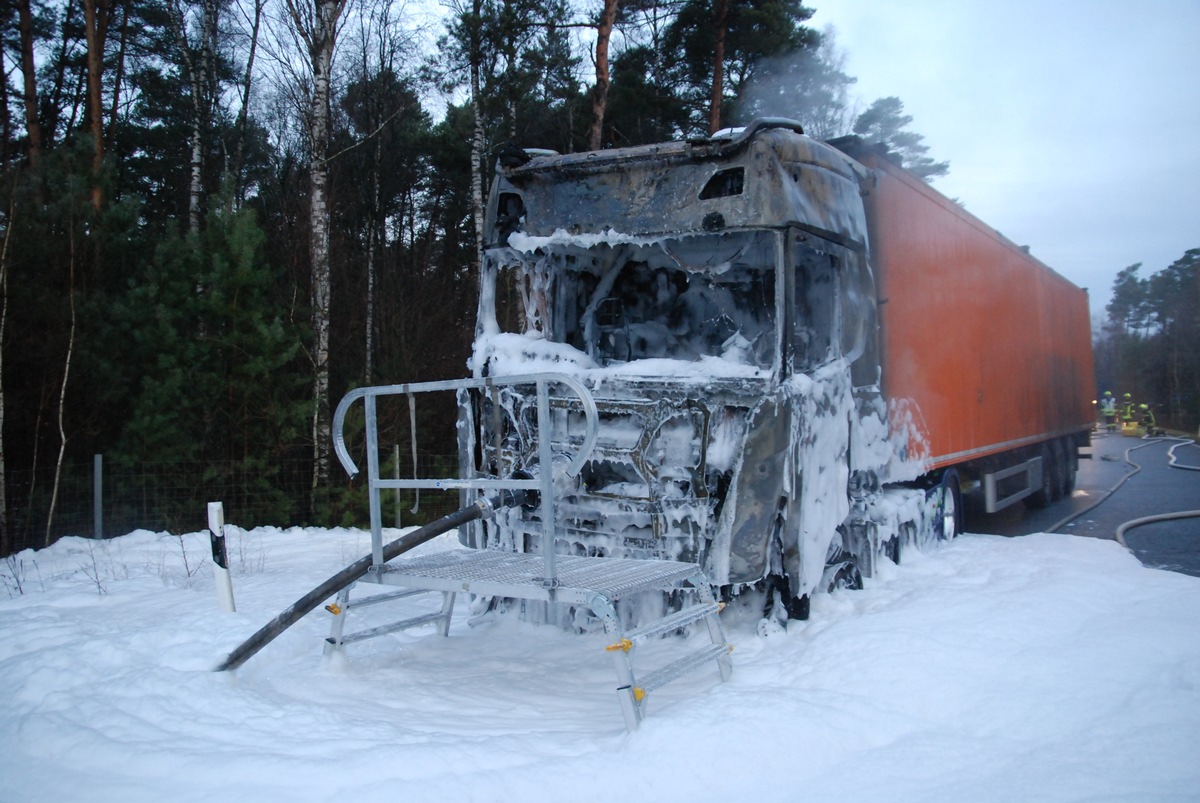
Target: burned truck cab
x: 715, y: 297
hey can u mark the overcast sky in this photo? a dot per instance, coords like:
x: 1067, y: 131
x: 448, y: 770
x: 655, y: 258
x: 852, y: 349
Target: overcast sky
x: 1071, y: 127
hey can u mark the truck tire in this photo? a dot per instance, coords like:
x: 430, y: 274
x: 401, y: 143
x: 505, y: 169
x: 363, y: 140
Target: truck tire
x: 1061, y: 469
x: 891, y: 549
x: 841, y: 567
x: 1070, y: 466
x: 844, y: 575
x: 1045, y: 494
x: 950, y: 523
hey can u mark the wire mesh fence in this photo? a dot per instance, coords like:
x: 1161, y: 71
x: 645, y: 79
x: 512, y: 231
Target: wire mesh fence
x: 104, y: 499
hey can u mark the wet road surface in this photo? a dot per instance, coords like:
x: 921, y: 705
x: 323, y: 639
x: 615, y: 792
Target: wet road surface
x: 1126, y: 479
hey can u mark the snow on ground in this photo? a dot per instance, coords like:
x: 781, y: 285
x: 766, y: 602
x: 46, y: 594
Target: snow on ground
x: 1047, y: 667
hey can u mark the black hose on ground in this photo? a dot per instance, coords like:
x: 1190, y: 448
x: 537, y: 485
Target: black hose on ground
x: 296, y: 611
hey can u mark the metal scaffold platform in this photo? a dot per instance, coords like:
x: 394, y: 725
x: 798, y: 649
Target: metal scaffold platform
x: 594, y: 583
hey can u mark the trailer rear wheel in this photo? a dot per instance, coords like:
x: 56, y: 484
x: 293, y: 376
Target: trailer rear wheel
x: 1070, y: 466
x: 1045, y: 494
x: 1061, y: 469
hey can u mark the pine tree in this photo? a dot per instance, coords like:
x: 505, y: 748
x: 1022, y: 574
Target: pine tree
x: 716, y: 45
x: 219, y: 392
x: 1150, y: 345
x: 884, y: 123
x: 808, y: 85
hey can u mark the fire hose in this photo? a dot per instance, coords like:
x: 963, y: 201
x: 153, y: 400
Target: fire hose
x: 1129, y: 525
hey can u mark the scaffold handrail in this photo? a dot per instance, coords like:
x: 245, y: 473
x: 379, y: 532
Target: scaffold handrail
x: 548, y: 378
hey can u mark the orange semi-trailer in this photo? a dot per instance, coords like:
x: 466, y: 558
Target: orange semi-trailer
x: 992, y: 345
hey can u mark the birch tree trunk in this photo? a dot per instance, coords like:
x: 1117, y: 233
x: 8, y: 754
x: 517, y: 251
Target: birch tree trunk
x: 319, y: 248
x: 200, y: 70
x: 479, y: 143
x: 62, y: 392
x: 374, y: 243
x: 317, y: 26
x: 477, y: 150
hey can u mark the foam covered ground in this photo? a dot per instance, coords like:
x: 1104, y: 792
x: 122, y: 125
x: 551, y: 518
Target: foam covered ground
x: 1047, y: 667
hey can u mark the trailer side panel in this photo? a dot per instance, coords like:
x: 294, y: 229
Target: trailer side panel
x: 993, y: 346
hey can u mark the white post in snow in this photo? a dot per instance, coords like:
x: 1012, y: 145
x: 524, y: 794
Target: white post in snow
x: 216, y: 527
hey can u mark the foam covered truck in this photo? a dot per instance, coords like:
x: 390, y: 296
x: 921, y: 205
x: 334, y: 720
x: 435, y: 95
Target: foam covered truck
x: 803, y: 358
x: 750, y: 366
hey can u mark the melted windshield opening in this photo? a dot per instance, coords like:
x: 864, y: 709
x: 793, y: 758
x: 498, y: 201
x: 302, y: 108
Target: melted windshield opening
x: 686, y: 298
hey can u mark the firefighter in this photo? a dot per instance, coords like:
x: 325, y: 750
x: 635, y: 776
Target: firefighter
x: 1108, y: 408
x: 1128, y: 411
x: 1147, y: 420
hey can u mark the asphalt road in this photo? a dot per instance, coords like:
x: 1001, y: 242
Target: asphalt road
x: 1126, y: 479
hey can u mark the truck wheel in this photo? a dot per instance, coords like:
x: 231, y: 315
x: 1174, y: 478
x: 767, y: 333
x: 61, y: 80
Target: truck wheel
x: 1059, y: 449
x: 951, y: 521
x: 1070, y: 466
x: 841, y: 567
x: 1044, y: 495
x: 891, y: 549
x: 843, y: 575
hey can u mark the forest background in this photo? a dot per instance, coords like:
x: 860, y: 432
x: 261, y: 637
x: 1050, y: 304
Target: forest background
x: 216, y: 216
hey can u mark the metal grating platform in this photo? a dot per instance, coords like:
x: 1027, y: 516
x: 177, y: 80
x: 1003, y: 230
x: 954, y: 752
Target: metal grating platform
x: 520, y: 576
x: 597, y: 583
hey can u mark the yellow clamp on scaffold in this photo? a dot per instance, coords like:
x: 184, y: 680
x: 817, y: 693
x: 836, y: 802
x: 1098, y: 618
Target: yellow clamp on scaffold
x: 624, y: 645
x: 639, y: 693
x: 334, y: 608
